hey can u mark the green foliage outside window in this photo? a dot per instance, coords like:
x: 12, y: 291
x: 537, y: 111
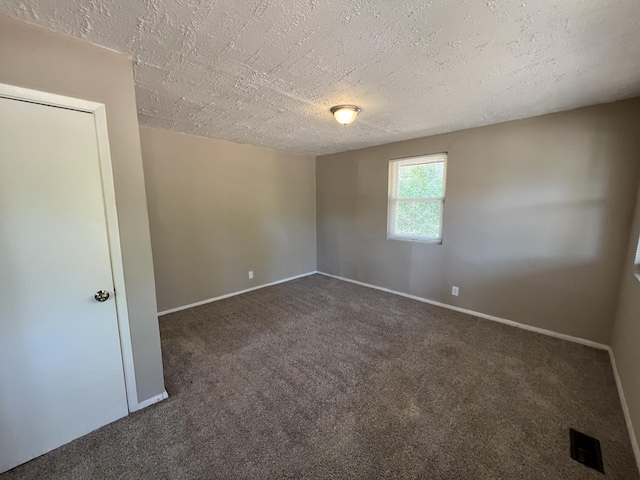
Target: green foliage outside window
x: 420, y: 181
x: 420, y: 217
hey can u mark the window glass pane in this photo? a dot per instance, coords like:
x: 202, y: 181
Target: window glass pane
x: 418, y: 219
x: 422, y: 180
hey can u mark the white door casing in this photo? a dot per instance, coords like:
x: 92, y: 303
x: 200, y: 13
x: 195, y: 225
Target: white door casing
x: 62, y: 354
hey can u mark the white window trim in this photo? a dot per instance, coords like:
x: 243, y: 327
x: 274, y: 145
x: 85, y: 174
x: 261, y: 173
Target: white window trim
x: 393, y: 195
x: 636, y: 263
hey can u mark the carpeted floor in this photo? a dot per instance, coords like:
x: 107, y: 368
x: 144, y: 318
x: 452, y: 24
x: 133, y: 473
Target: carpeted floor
x: 322, y: 379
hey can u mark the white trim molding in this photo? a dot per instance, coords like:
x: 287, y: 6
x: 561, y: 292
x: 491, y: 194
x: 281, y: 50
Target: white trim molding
x: 625, y: 409
x: 551, y: 333
x: 150, y: 401
x: 233, y: 294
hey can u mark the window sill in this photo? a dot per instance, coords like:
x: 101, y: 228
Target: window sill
x: 416, y: 240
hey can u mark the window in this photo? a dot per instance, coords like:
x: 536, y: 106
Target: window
x: 636, y: 263
x: 416, y: 198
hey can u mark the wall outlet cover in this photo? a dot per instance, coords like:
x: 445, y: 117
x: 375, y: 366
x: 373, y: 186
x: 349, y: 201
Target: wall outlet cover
x: 455, y: 291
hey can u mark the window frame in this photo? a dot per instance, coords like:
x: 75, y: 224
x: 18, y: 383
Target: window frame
x: 636, y: 262
x: 392, y: 199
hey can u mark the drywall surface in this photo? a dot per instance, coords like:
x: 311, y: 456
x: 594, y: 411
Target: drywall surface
x: 219, y: 210
x: 626, y: 332
x: 536, y: 222
x: 36, y: 58
x: 266, y: 72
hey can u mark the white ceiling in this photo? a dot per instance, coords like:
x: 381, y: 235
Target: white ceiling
x: 266, y: 72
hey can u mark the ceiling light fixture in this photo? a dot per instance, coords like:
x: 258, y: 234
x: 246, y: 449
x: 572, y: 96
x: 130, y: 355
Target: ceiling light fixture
x: 345, y: 114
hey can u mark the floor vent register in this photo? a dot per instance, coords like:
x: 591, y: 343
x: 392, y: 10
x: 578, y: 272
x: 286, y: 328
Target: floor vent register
x: 586, y: 450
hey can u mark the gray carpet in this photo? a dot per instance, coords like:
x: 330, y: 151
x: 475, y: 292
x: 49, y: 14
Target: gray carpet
x: 322, y: 379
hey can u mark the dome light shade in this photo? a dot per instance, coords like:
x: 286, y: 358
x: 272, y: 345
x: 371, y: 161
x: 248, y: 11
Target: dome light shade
x: 345, y: 114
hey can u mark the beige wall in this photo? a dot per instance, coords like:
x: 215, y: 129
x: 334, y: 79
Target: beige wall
x: 537, y: 218
x: 218, y: 209
x: 626, y: 333
x: 39, y: 59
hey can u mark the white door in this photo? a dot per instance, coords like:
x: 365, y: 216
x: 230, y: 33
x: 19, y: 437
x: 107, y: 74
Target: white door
x: 61, y: 370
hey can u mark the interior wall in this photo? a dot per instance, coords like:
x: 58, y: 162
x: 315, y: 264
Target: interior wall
x: 219, y: 209
x: 626, y: 332
x: 32, y: 57
x: 536, y: 224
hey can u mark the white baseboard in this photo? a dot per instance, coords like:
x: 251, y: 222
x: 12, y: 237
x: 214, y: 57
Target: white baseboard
x: 551, y: 333
x: 150, y: 401
x: 233, y: 294
x: 625, y: 409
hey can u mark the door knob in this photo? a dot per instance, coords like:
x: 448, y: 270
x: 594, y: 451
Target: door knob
x: 101, y: 296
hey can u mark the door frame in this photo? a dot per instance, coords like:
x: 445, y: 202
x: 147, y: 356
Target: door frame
x: 98, y: 110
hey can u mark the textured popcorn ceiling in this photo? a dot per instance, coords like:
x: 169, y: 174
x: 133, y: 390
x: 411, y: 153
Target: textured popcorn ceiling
x: 266, y: 72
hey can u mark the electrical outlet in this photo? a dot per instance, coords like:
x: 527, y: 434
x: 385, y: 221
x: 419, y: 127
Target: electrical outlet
x: 250, y: 273
x: 455, y: 291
